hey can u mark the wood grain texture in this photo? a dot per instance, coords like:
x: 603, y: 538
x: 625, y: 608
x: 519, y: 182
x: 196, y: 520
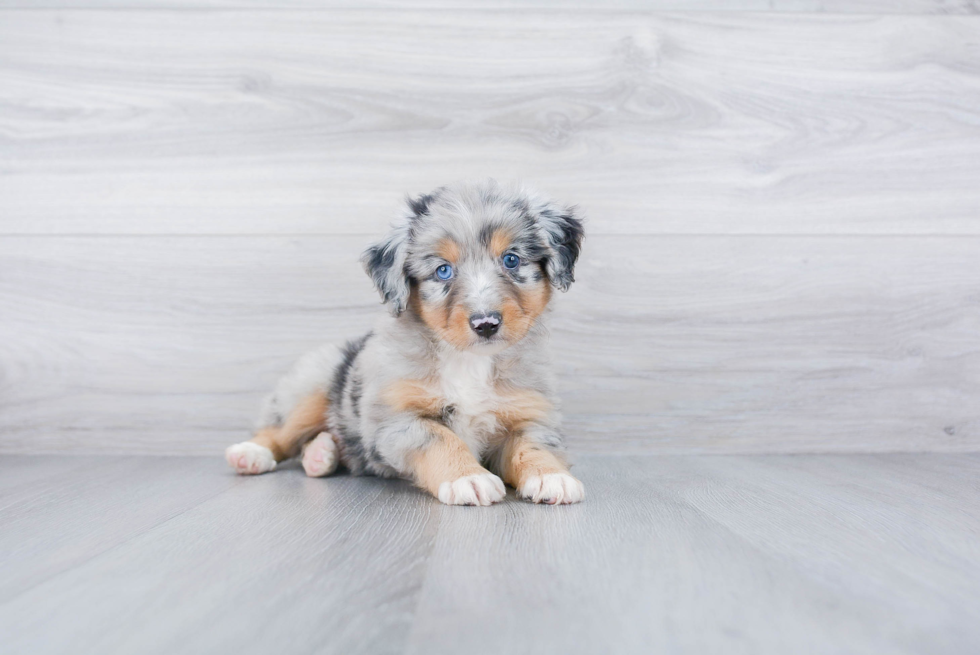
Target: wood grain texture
x: 74, y: 529
x: 694, y: 554
x: 151, y: 122
x: 273, y: 563
x: 803, y: 6
x: 715, y: 554
x: 665, y: 344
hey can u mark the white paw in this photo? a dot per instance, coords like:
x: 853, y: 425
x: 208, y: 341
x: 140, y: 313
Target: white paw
x: 250, y: 458
x: 553, y: 489
x: 320, y: 456
x: 479, y: 489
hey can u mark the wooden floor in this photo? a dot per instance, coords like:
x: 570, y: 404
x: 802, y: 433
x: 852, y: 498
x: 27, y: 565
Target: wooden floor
x: 674, y: 554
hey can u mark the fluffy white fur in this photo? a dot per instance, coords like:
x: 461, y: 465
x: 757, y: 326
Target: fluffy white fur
x: 250, y: 458
x: 553, y: 489
x: 480, y: 489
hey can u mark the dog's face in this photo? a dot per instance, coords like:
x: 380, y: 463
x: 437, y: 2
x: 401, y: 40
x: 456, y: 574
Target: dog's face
x: 476, y: 263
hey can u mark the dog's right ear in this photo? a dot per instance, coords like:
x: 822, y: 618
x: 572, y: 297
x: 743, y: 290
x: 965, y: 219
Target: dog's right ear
x: 385, y: 261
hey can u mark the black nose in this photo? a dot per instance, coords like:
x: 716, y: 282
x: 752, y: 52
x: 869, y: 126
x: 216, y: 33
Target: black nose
x: 485, y: 324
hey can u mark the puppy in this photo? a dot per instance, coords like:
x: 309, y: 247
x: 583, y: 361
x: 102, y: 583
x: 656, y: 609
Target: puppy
x: 455, y: 388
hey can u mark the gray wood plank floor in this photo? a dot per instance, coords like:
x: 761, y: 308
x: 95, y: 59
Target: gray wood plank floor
x: 681, y: 554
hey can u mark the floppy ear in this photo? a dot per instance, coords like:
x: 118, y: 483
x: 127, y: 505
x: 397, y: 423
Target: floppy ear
x: 562, y: 233
x: 385, y: 261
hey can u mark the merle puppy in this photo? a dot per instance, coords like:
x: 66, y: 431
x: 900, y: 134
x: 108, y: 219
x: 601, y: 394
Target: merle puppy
x: 455, y: 387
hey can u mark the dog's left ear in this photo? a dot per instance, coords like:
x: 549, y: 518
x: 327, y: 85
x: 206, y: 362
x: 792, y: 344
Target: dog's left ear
x: 563, y: 232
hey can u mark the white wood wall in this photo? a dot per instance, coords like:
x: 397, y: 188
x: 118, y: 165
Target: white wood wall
x: 783, y: 249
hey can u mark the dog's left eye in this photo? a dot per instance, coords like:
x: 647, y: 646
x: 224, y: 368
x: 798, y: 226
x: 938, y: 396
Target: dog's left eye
x: 444, y: 272
x: 511, y: 260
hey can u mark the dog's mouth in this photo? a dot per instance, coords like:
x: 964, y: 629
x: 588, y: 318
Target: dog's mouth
x: 489, y: 345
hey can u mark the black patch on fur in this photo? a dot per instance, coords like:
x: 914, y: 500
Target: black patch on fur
x: 420, y: 205
x: 486, y: 233
x: 351, y: 351
x: 352, y: 447
x: 378, y: 260
x: 528, y: 239
x: 566, y: 245
x: 376, y: 457
x: 447, y: 413
x: 352, y: 444
x: 356, y: 390
x: 535, y: 251
x: 571, y: 244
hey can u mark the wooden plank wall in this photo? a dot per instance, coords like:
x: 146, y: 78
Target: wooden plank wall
x: 783, y: 206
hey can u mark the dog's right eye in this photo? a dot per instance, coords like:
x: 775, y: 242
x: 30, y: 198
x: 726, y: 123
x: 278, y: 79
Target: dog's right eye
x: 444, y: 272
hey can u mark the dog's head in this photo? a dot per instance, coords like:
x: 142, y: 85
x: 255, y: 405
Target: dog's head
x: 476, y: 262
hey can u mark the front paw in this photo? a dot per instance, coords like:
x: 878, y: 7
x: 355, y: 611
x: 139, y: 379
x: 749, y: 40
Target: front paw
x: 479, y: 489
x: 553, y: 489
x: 249, y: 458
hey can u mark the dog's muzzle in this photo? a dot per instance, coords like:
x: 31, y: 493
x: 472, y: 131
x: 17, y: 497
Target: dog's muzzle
x: 486, y: 324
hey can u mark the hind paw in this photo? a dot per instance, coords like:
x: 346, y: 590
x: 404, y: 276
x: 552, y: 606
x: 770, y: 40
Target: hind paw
x: 320, y: 456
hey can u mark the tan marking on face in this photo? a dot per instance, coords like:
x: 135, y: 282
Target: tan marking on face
x: 522, y: 459
x: 515, y: 321
x: 452, y: 323
x: 521, y: 310
x: 536, y: 298
x: 500, y: 241
x: 416, y: 396
x: 445, y: 459
x: 305, y: 421
x: 518, y: 407
x: 457, y: 330
x: 448, y: 250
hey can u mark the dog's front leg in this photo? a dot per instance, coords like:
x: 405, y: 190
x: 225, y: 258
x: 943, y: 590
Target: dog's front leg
x: 538, y: 471
x: 447, y: 469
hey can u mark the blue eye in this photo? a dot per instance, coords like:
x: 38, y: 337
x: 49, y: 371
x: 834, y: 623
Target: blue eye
x: 444, y: 272
x: 511, y: 261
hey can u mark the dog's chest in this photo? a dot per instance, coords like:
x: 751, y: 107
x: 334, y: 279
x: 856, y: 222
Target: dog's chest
x: 468, y: 389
